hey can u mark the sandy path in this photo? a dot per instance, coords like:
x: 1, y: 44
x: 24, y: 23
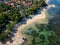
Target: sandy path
x: 18, y: 36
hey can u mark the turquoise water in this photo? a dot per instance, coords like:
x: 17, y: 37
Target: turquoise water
x: 56, y: 10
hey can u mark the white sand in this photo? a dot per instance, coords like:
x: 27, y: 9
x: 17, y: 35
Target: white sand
x: 18, y: 36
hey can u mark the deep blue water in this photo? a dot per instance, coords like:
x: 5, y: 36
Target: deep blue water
x: 56, y: 10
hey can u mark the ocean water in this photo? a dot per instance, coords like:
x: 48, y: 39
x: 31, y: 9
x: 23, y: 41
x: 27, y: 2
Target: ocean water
x: 56, y: 10
x: 54, y: 23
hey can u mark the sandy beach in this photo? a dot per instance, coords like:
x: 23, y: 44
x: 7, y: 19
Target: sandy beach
x: 17, y: 39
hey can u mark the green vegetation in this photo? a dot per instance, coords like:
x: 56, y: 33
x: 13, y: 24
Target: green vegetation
x: 39, y: 34
x: 9, y: 16
x: 36, y: 6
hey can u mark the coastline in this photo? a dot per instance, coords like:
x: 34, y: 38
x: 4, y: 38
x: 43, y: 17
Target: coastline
x: 40, y: 17
x: 17, y: 39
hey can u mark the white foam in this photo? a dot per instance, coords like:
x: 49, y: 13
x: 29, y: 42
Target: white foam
x: 52, y: 5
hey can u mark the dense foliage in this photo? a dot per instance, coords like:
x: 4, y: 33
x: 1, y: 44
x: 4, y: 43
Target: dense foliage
x: 9, y: 16
x: 39, y: 34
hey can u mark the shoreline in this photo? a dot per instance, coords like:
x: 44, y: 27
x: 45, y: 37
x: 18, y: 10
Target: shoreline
x: 17, y: 39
